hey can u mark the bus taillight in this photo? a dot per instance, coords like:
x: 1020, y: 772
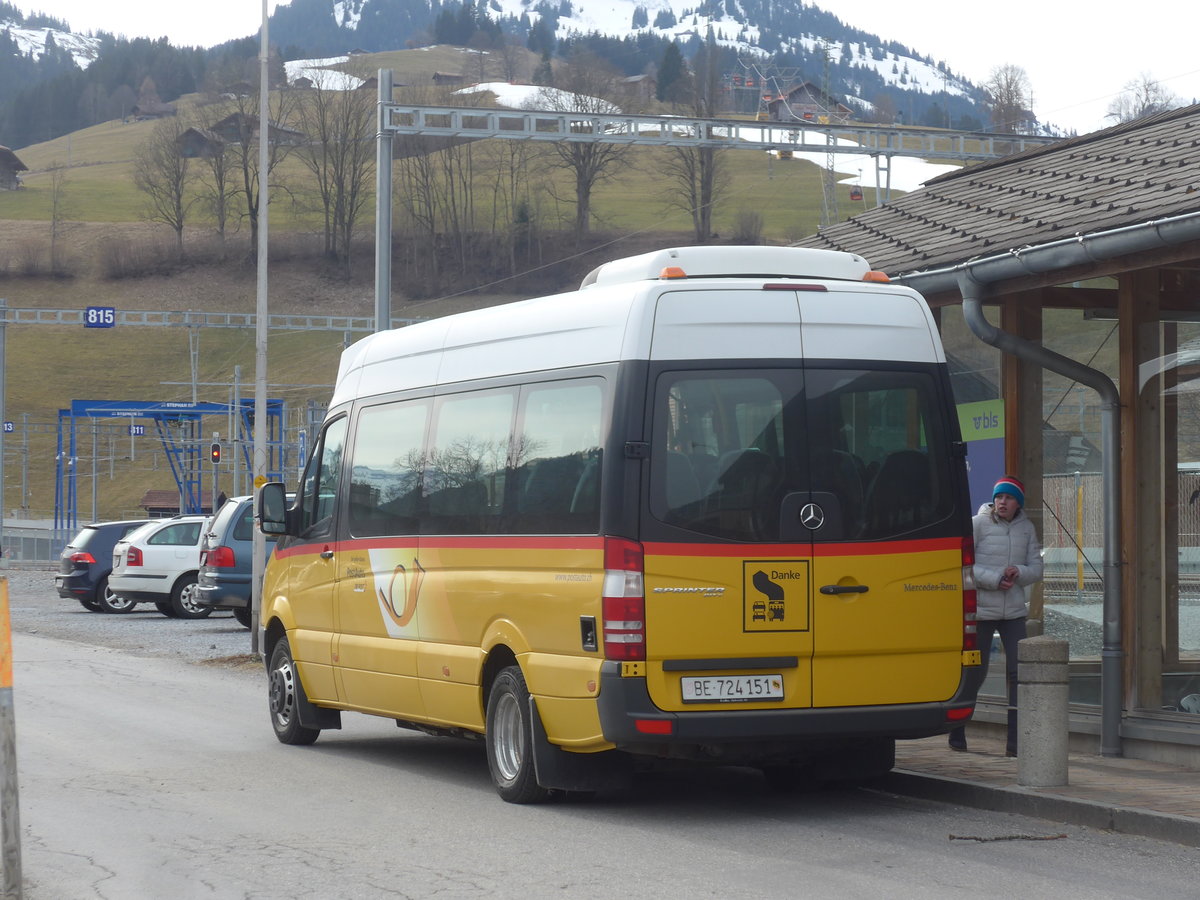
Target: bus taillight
x: 624, y: 604
x: 970, y: 628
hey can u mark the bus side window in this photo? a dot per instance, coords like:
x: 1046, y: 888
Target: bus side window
x: 386, y: 467
x: 557, y: 474
x: 320, y: 484
x: 467, y: 463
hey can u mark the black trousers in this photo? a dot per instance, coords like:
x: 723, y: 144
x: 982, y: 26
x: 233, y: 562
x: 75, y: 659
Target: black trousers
x: 1011, y: 631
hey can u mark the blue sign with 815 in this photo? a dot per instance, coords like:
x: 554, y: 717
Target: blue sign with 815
x: 100, y: 317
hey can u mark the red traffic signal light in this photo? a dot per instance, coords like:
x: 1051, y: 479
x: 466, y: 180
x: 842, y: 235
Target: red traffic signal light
x: 214, y: 453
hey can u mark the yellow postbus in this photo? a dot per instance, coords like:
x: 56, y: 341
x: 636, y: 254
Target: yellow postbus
x: 711, y: 506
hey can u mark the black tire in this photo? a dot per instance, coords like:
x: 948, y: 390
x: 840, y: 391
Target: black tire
x: 165, y: 607
x: 92, y: 603
x: 509, y: 740
x: 284, y: 697
x: 110, y: 602
x: 185, y: 599
x: 243, y: 617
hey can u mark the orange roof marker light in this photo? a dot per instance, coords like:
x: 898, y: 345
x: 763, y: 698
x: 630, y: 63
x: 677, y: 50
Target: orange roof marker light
x: 672, y: 272
x: 876, y: 275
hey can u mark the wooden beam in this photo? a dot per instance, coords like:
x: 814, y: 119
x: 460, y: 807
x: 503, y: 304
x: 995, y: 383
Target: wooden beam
x: 1022, y: 391
x: 1141, y: 513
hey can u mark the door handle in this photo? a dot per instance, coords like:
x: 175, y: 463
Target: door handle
x: 844, y: 589
x: 326, y: 553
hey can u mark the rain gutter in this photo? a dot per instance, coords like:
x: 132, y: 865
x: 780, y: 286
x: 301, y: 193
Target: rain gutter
x: 974, y: 280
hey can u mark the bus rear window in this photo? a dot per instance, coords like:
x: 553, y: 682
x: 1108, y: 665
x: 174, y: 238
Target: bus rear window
x: 737, y: 454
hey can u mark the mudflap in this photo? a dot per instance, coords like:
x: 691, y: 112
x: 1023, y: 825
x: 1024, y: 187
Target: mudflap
x: 561, y: 770
x: 312, y: 716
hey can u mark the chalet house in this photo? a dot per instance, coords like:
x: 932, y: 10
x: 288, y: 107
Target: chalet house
x: 807, y: 103
x: 638, y: 87
x: 241, y: 127
x: 199, y: 143
x: 449, y: 78
x: 303, y: 83
x: 10, y: 167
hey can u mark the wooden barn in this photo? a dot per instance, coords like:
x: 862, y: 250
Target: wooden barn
x: 241, y: 127
x: 10, y: 169
x: 199, y: 143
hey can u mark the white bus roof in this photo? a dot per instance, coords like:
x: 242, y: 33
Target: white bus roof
x: 630, y: 311
x: 732, y: 262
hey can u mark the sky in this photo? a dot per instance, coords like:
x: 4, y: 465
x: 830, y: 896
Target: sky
x: 1077, y: 57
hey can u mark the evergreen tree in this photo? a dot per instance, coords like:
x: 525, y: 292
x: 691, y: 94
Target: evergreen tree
x: 670, y: 70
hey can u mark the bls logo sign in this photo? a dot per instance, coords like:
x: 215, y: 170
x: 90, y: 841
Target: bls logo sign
x: 775, y: 595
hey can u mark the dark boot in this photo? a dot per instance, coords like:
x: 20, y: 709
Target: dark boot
x: 958, y: 738
x: 1010, y: 748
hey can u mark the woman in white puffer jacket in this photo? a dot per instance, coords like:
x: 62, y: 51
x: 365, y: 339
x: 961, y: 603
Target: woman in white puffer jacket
x: 1008, y: 560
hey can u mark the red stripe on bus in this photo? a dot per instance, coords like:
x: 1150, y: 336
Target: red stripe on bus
x: 880, y: 548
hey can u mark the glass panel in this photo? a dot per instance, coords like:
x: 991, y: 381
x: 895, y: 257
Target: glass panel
x: 320, y: 482
x: 179, y: 535
x: 386, y: 468
x: 717, y: 459
x: 557, y: 460
x: 1179, y: 679
x: 878, y: 444
x: 465, y: 468
x: 737, y: 455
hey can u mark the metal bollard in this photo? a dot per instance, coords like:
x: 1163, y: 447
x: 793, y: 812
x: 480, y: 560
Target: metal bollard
x: 1042, y: 723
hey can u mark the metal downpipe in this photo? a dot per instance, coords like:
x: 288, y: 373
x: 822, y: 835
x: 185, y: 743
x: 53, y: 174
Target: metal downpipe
x: 973, y: 294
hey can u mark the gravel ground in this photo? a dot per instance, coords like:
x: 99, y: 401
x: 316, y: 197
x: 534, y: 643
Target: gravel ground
x: 36, y: 608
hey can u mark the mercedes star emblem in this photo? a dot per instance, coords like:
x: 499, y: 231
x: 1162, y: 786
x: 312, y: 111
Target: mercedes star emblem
x: 812, y: 516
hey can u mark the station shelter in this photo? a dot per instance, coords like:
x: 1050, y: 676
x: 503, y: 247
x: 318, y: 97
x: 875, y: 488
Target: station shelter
x: 1066, y: 284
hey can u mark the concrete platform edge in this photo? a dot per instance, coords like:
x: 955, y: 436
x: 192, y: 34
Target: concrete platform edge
x: 1024, y: 801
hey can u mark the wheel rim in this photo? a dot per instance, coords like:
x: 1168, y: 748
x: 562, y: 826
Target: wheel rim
x: 116, y: 604
x: 187, y: 598
x: 283, y: 693
x: 508, y: 736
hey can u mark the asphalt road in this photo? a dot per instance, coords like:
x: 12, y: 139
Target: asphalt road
x: 148, y: 769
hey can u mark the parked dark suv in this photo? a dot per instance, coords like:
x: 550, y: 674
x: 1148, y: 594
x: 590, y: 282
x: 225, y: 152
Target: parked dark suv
x: 226, y: 559
x: 86, y: 562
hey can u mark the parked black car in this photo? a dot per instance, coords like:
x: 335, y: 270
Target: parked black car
x: 86, y: 562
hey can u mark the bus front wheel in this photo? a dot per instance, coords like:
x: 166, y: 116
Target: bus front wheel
x: 283, y: 685
x: 510, y: 739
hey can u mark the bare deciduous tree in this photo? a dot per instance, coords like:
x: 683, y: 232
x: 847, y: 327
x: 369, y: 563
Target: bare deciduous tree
x: 162, y: 174
x: 1141, y: 97
x: 59, y: 209
x: 585, y: 84
x: 1008, y: 92
x: 698, y: 173
x: 241, y: 132
x: 340, y: 154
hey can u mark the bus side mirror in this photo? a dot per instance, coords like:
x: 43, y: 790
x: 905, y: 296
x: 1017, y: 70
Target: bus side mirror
x: 271, y: 508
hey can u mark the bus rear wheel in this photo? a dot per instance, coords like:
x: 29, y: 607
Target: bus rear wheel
x: 509, y: 739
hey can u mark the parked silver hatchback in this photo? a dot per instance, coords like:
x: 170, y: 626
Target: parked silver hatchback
x: 159, y: 564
